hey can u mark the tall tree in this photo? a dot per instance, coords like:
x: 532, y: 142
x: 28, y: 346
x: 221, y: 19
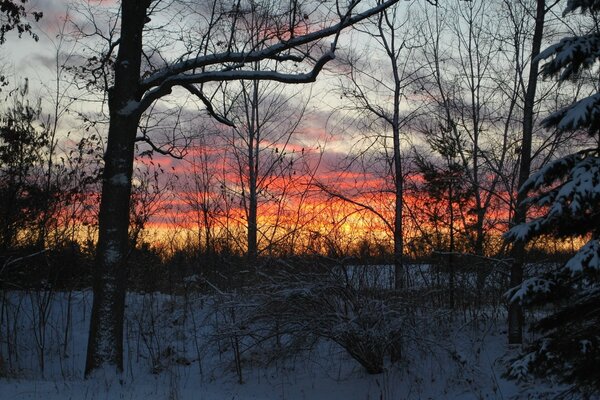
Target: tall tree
x: 515, y: 313
x: 445, y: 182
x: 264, y: 120
x: 208, y: 58
x: 460, y: 91
x: 200, y: 194
x: 568, y: 191
x: 263, y: 130
x: 377, y: 95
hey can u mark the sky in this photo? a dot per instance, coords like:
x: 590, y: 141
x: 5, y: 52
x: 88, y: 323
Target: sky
x: 31, y: 58
x: 321, y: 139
x: 331, y: 133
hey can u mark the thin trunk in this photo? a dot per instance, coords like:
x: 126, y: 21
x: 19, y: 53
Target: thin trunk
x: 392, y: 50
x: 451, y: 247
x: 475, y: 119
x: 207, y: 234
x: 105, y: 343
x: 400, y: 273
x: 515, y: 311
x: 46, y: 213
x: 252, y: 219
x: 253, y: 148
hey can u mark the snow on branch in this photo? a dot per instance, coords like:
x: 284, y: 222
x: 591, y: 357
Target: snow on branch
x: 549, y: 173
x: 163, y: 79
x: 583, y: 114
x: 529, y: 288
x: 232, y: 75
x: 524, y: 232
x: 271, y: 52
x: 569, y: 186
x: 571, y: 55
x: 587, y: 257
x: 580, y: 171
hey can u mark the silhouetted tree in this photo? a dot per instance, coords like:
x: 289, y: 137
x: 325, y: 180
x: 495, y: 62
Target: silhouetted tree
x: 568, y: 190
x: 135, y: 86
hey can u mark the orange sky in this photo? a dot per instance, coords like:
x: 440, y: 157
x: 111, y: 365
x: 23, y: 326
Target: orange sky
x: 292, y: 205
x: 288, y: 201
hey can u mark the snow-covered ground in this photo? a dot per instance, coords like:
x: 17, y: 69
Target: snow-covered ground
x: 172, y: 352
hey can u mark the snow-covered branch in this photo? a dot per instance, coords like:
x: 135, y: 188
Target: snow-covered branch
x: 271, y: 52
x: 231, y: 75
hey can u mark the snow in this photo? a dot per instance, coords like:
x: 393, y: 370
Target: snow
x: 585, y: 346
x: 130, y: 108
x: 581, y: 113
x: 120, y: 180
x: 549, y: 172
x: 182, y: 347
x: 587, y: 257
x: 112, y: 253
x: 529, y: 287
x: 519, y: 232
x: 571, y: 55
x: 520, y: 367
x: 569, y: 187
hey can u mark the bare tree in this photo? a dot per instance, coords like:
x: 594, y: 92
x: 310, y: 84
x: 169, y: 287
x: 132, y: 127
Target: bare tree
x: 201, y: 195
x: 143, y: 74
x: 515, y: 313
x: 464, y: 100
x: 377, y: 98
x: 265, y: 120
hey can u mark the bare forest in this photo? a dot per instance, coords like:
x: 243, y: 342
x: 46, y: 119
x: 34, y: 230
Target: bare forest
x: 302, y: 199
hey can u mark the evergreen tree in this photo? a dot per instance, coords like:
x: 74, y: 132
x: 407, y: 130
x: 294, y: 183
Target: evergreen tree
x: 568, y: 189
x: 22, y: 144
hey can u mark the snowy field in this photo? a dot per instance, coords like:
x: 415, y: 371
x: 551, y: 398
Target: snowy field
x: 199, y: 346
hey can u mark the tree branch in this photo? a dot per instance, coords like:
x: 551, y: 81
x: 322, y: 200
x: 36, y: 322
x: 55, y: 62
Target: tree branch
x: 208, y: 105
x: 340, y: 196
x: 270, y: 52
x: 212, y: 76
x: 157, y: 149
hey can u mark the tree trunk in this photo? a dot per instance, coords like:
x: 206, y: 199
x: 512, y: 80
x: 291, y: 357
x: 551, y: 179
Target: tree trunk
x: 399, y: 272
x: 451, y: 269
x: 515, y: 311
x: 253, y: 154
x: 399, y: 268
x: 252, y: 220
x: 105, y: 342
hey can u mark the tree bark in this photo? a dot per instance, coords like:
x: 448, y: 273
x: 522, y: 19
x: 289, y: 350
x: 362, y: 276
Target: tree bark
x: 515, y: 311
x: 451, y: 269
x: 252, y: 208
x: 253, y: 154
x: 399, y: 272
x: 105, y: 343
